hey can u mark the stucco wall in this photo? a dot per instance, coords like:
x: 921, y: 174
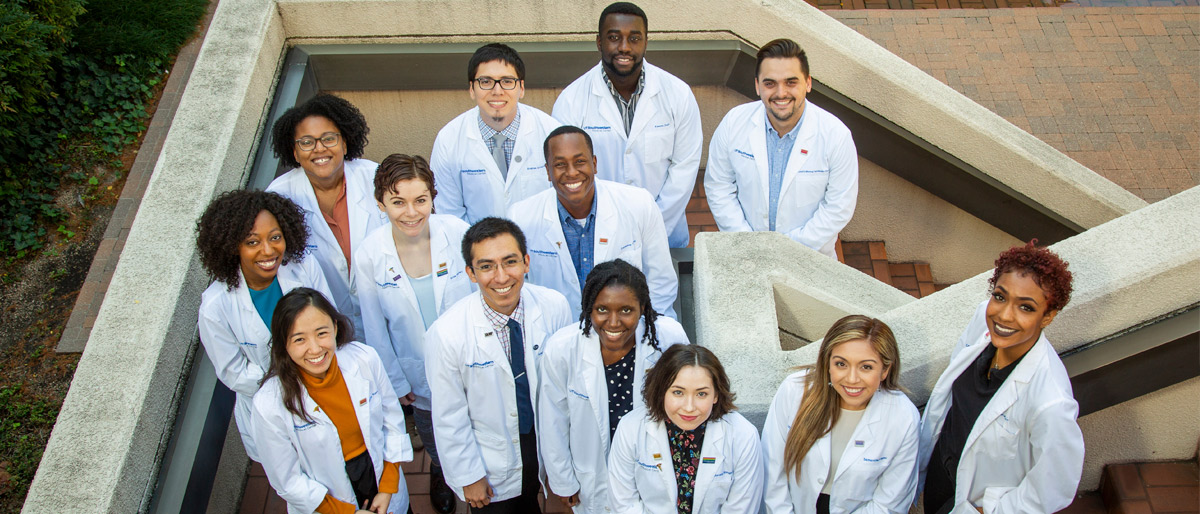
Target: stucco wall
x: 1163, y: 425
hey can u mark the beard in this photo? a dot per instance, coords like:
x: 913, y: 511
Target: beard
x: 612, y: 69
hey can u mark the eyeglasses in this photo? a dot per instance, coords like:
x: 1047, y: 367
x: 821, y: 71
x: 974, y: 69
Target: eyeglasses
x: 487, y: 83
x: 328, y: 140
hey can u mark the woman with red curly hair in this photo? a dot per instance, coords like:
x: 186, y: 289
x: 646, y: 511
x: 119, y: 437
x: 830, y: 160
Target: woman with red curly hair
x: 999, y: 432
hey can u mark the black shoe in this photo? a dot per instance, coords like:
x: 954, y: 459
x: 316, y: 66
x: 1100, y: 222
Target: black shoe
x: 440, y: 495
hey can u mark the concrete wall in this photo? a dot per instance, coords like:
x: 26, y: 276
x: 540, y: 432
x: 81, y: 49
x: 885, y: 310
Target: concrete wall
x: 918, y: 226
x: 104, y: 453
x: 1163, y: 425
x: 1139, y: 267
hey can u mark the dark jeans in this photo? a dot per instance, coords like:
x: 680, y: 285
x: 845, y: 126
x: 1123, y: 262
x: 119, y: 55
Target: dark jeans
x: 527, y: 502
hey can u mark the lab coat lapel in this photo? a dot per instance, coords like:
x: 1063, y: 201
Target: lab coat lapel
x: 712, y: 448
x: 256, y: 330
x: 607, y: 106
x: 554, y: 235
x: 360, y: 392
x: 486, y: 338
x: 604, y: 245
x: 656, y: 434
x: 439, y: 247
x: 302, y: 191
x: 527, y: 146
x: 758, y: 146
x: 594, y: 379
x: 477, y: 146
x: 534, y: 338
x: 806, y: 133
x: 864, y: 433
x: 646, y: 109
x: 359, y: 210
x: 400, y: 275
x: 1008, y: 394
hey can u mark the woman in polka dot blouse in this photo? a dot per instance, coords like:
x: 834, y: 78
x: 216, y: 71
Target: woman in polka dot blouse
x: 592, y: 376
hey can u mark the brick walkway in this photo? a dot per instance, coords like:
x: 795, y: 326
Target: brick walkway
x: 1117, y: 89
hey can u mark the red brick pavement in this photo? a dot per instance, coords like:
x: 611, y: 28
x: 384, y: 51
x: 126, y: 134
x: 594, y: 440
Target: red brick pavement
x: 1117, y: 89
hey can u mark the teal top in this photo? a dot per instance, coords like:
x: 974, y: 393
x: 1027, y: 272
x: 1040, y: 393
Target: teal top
x: 423, y: 287
x: 265, y: 300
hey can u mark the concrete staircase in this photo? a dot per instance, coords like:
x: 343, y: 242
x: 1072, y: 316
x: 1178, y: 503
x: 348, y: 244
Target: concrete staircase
x: 870, y: 257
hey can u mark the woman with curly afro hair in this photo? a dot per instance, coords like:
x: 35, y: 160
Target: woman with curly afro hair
x: 603, y: 360
x: 999, y: 432
x: 323, y: 141
x: 252, y: 244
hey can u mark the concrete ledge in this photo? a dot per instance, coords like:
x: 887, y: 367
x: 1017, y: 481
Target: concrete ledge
x: 1136, y: 268
x: 104, y: 452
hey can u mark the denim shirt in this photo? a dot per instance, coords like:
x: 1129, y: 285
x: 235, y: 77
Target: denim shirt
x: 580, y: 240
x: 778, y: 151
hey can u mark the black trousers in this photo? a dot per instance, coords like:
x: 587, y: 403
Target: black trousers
x: 822, y: 503
x: 527, y: 502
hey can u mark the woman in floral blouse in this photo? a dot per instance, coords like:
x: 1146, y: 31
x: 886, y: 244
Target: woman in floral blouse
x: 687, y: 451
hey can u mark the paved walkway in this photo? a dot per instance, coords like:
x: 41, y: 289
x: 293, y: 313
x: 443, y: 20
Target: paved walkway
x: 1117, y: 89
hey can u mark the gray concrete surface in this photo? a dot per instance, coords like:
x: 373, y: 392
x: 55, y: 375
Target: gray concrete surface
x: 1136, y: 268
x: 104, y: 452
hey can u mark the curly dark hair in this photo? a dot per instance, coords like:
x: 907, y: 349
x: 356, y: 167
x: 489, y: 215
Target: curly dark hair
x: 662, y: 375
x: 228, y: 220
x: 286, y: 312
x: 1048, y: 270
x: 618, y: 273
x: 349, y: 121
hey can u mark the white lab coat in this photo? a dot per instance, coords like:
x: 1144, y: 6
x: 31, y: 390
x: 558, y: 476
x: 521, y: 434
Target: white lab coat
x: 390, y: 312
x: 877, y: 472
x: 573, y: 400
x: 364, y: 217
x: 238, y: 342
x: 470, y: 185
x: 661, y: 154
x: 1025, y: 451
x: 820, y: 181
x: 641, y: 477
x: 303, y: 460
x: 475, y: 417
x: 628, y: 227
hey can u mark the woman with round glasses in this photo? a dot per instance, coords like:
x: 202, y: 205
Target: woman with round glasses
x: 491, y: 156
x: 252, y: 245
x: 999, y: 432
x: 323, y: 141
x: 592, y: 377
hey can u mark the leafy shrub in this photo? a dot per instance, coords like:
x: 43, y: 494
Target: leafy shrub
x: 73, y: 90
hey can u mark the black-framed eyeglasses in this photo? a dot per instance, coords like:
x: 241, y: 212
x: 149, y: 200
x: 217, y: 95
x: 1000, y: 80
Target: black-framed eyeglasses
x: 328, y: 140
x: 487, y: 83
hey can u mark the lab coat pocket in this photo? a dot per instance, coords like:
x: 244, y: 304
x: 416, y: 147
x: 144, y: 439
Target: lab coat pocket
x: 497, y: 456
x: 859, y: 480
x: 660, y: 142
x: 631, y: 252
x: 718, y: 491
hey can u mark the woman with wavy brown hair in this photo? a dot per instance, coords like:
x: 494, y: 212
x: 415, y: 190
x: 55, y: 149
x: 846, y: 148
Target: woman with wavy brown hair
x: 840, y: 435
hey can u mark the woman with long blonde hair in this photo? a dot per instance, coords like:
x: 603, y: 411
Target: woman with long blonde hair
x: 840, y: 435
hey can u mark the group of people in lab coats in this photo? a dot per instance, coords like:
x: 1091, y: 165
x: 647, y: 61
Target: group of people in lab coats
x: 524, y: 336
